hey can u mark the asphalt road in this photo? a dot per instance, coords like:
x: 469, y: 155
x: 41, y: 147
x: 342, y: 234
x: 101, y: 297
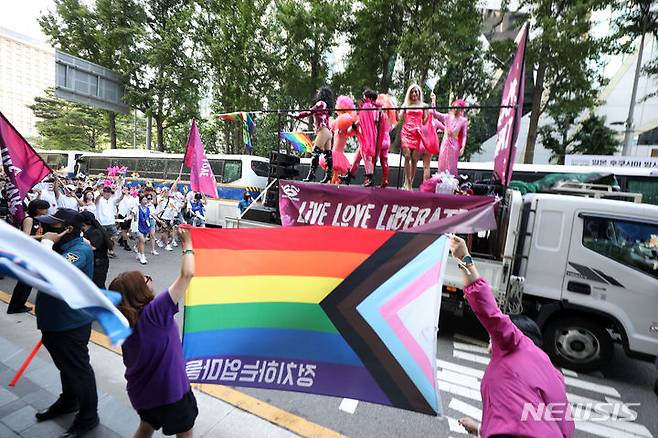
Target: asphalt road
x: 461, y: 357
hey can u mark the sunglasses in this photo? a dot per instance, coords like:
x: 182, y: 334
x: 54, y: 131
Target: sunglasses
x: 149, y: 197
x: 148, y: 279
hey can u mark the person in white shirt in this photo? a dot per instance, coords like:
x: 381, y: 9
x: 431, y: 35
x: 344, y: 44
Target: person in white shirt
x: 45, y: 191
x: 106, y: 209
x: 66, y: 199
x: 88, y: 202
x: 127, y: 204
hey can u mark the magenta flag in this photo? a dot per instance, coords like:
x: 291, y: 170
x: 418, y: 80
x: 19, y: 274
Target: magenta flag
x: 201, y: 177
x: 302, y: 204
x: 23, y: 167
x: 509, y: 119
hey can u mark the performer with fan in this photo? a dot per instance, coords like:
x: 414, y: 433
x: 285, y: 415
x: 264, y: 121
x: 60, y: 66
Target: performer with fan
x: 321, y: 112
x: 343, y: 128
x: 414, y: 117
x: 454, y: 135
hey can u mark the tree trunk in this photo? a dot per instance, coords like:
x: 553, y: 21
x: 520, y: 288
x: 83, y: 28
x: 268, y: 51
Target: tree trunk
x: 537, y: 94
x: 112, y: 124
x: 160, y: 131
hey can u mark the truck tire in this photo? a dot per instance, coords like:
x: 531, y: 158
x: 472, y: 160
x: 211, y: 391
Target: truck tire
x: 578, y: 343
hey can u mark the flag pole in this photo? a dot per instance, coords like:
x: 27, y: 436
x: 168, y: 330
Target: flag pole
x: 27, y: 362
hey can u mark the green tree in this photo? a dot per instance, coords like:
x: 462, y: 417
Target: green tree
x: 66, y: 125
x: 166, y: 77
x: 565, y: 56
x: 592, y: 137
x: 374, y: 38
x: 103, y: 35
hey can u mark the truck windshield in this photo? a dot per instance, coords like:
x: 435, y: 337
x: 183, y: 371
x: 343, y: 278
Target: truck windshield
x: 634, y: 244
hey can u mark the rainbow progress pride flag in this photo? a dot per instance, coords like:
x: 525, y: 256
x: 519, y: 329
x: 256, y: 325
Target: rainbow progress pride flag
x: 301, y: 142
x: 344, y: 312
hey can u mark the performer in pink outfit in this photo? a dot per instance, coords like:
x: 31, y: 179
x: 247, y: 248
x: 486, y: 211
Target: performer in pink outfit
x: 454, y: 135
x: 388, y: 119
x: 367, y: 134
x: 321, y: 112
x: 342, y: 127
x: 519, y: 372
x: 414, y: 117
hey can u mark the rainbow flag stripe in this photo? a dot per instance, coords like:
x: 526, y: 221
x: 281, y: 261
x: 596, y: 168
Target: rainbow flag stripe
x: 270, y: 308
x: 248, y: 126
x: 299, y: 141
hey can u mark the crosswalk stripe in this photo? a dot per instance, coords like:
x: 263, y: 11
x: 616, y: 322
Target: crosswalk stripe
x: 459, y: 379
x: 465, y: 408
x: 460, y: 368
x: 348, y: 405
x: 469, y: 347
x: 590, y: 386
x: 601, y: 430
x: 568, y: 372
x: 469, y: 340
x: 471, y: 357
x: 449, y: 387
x: 454, y: 425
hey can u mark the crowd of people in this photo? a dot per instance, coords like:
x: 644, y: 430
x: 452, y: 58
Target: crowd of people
x: 372, y: 122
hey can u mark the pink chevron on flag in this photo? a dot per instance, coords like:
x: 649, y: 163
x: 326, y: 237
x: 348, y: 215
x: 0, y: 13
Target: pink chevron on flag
x: 202, y: 178
x: 23, y: 167
x: 390, y: 311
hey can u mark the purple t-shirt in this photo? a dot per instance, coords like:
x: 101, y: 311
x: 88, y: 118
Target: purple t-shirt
x: 153, y: 355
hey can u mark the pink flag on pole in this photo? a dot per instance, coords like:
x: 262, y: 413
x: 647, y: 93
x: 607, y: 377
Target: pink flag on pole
x: 509, y: 119
x: 201, y: 177
x: 22, y: 165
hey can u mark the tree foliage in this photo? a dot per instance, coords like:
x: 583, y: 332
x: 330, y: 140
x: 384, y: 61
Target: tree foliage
x: 592, y: 137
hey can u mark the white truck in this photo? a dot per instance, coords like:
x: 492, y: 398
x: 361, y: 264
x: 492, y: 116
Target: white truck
x: 585, y: 269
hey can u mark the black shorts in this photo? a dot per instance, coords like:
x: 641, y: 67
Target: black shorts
x: 125, y: 225
x: 177, y: 417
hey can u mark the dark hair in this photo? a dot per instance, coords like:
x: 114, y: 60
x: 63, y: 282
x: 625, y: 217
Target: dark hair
x: 327, y: 96
x: 370, y: 94
x: 37, y: 204
x: 87, y: 217
x: 134, y: 292
x: 529, y: 328
x: 142, y: 196
x: 198, y: 196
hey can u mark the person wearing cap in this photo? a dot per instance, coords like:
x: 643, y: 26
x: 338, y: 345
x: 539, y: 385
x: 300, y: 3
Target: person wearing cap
x: 519, y: 372
x: 245, y: 202
x: 106, y: 210
x: 68, y: 198
x: 66, y: 331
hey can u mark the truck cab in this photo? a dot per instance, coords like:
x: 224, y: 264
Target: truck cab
x: 591, y: 276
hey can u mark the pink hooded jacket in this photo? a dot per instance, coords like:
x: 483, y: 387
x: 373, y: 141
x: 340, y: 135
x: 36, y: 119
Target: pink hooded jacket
x: 518, y: 373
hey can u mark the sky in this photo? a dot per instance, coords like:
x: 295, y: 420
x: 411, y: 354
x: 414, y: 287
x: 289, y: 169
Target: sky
x: 21, y: 16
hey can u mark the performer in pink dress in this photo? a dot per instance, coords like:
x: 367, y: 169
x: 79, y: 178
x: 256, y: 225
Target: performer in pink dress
x: 388, y: 120
x: 321, y: 113
x: 414, y: 116
x: 342, y: 128
x: 367, y: 134
x: 454, y: 135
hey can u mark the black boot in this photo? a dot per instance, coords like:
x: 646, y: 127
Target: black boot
x: 330, y: 167
x: 347, y: 178
x: 315, y: 161
x: 368, y: 182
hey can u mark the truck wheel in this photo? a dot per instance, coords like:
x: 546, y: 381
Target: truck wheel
x: 577, y: 343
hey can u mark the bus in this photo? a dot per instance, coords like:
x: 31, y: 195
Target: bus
x: 644, y: 181
x: 234, y: 174
x: 61, y: 161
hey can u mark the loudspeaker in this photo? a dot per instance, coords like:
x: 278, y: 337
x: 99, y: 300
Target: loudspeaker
x: 262, y: 214
x: 283, y: 165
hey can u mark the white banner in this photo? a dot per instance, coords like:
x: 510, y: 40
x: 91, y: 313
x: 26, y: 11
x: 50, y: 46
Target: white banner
x: 612, y: 161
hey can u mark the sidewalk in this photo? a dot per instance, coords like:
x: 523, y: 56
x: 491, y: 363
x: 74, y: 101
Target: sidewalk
x: 40, y: 386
